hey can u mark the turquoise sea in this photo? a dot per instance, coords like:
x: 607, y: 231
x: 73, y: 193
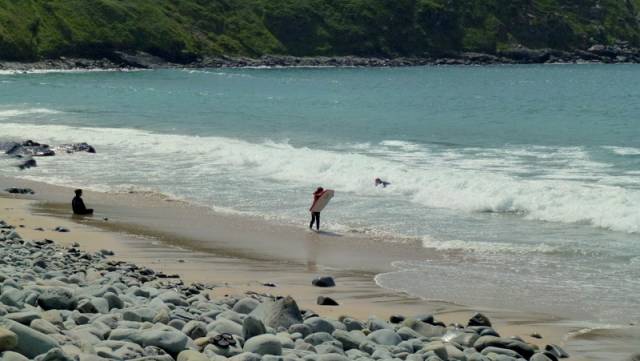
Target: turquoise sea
x: 523, y: 177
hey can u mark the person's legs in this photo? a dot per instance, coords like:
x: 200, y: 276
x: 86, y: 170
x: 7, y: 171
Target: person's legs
x: 317, y: 220
x: 313, y: 218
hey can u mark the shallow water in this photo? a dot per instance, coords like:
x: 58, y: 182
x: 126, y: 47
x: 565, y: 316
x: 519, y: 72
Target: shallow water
x: 523, y: 177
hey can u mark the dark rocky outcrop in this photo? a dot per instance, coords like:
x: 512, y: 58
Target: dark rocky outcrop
x: 14, y: 190
x: 75, y: 147
x: 28, y: 149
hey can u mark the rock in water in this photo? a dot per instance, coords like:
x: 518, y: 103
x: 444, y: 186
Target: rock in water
x: 8, y: 339
x: 264, y: 345
x: 283, y: 312
x: 479, y: 319
x: 14, y: 190
x: 29, y: 163
x: 76, y: 147
x: 323, y: 281
x: 326, y: 301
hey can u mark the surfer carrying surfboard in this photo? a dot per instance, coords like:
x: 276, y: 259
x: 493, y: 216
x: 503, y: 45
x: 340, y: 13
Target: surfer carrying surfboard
x: 321, y: 198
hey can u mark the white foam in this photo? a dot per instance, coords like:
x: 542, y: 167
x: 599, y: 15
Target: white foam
x: 65, y: 71
x: 624, y: 150
x: 453, y: 181
x: 487, y: 247
x: 9, y: 113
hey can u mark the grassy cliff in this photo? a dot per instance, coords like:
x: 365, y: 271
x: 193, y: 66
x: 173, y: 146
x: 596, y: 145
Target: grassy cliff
x: 182, y: 30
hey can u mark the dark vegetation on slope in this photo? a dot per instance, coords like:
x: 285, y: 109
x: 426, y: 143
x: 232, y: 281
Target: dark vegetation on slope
x: 185, y: 30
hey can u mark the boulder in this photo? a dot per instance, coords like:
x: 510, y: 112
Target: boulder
x: 556, y: 350
x: 425, y: 329
x: 385, y: 337
x: 14, y: 190
x: 525, y: 350
x: 349, y: 339
x: 75, y: 147
x: 166, y: 338
x: 319, y: 324
x: 44, y: 326
x: 31, y: 343
x: 500, y: 351
x: 318, y: 338
x: 263, y: 345
x: 478, y: 319
x: 282, y: 312
x: 225, y: 326
x: 438, y: 348
x: 326, y: 301
x: 8, y: 339
x: 246, y: 356
x: 251, y: 327
x: 12, y: 356
x: 55, y: 354
x: 375, y: 324
x: 190, y: 355
x: 57, y: 298
x: 541, y: 357
x: 24, y: 317
x: 195, y: 329
x: 246, y: 305
x: 93, y: 305
x: 323, y: 281
x: 113, y: 300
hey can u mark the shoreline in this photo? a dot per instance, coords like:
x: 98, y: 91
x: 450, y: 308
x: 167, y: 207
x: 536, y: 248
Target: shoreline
x: 119, y: 61
x: 360, y: 296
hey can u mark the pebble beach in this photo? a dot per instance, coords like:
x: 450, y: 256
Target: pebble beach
x: 62, y: 303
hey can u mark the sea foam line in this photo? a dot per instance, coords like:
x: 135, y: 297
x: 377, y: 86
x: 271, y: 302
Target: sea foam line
x: 466, y: 186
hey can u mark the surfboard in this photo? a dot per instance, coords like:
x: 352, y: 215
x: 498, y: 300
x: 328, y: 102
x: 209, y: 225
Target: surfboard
x: 322, y: 202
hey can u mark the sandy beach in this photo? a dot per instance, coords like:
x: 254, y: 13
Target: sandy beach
x: 238, y: 254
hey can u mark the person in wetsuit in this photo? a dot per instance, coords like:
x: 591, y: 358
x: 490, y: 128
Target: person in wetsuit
x: 77, y: 204
x: 315, y: 216
x: 379, y: 182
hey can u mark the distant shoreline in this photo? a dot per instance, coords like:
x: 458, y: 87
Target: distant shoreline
x: 598, y: 54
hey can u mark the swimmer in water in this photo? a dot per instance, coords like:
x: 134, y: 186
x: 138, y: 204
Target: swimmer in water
x: 379, y: 182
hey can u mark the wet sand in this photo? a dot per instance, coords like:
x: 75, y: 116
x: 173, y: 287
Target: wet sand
x: 238, y: 254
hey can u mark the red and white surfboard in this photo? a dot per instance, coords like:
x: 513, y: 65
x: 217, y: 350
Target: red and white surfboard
x: 322, y: 201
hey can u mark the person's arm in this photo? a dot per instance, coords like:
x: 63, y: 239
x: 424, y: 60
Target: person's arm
x: 81, y: 206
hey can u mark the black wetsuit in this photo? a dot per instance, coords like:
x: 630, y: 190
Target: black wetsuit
x: 78, y: 206
x: 315, y: 217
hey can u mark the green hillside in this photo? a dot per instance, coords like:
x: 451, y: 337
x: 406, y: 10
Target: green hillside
x: 182, y: 30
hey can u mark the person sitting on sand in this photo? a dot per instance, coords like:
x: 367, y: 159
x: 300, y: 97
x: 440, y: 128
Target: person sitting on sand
x: 315, y: 216
x: 379, y: 181
x: 78, y: 204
